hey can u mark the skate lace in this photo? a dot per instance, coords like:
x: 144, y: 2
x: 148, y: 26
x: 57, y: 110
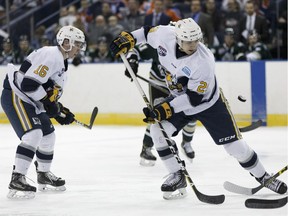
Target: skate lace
x: 51, y: 176
x: 187, y: 147
x: 173, y: 178
x: 273, y: 185
x: 22, y: 178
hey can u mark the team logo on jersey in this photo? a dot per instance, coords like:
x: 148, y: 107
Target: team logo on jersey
x: 186, y: 70
x: 36, y: 121
x: 162, y: 51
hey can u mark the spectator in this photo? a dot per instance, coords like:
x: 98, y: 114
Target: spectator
x: 7, y: 55
x: 204, y: 21
x: 113, y: 27
x: 23, y: 51
x: 231, y: 17
x: 135, y: 18
x: 38, y: 34
x: 106, y: 11
x: 252, y: 22
x: 158, y: 16
x: 217, y: 19
x: 67, y: 17
x: 230, y: 50
x: 102, y: 54
x: 97, y: 29
x: 173, y: 12
x: 256, y: 50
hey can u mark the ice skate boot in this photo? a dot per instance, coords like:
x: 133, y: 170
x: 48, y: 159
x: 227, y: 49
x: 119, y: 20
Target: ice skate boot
x: 275, y: 185
x: 147, y: 157
x: 47, y: 181
x: 175, y: 181
x: 188, y: 150
x: 19, y: 188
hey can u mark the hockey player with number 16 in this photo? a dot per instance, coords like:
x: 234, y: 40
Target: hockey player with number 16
x: 29, y: 99
x: 190, y: 76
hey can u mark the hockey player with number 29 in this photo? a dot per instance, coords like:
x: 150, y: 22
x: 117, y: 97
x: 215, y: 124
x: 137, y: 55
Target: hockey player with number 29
x: 29, y: 99
x: 190, y: 77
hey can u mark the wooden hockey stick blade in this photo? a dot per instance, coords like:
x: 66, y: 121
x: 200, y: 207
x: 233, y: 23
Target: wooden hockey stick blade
x: 251, y: 127
x: 266, y: 204
x: 234, y: 188
x: 211, y: 199
x: 92, y: 119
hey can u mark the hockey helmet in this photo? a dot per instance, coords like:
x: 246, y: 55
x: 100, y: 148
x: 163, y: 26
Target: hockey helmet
x: 73, y: 34
x: 188, y: 30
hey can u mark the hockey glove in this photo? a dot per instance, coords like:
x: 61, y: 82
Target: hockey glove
x: 122, y: 44
x: 67, y: 117
x: 133, y: 61
x: 52, y: 107
x: 161, y: 112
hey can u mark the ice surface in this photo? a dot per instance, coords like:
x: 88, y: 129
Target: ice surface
x: 104, y: 178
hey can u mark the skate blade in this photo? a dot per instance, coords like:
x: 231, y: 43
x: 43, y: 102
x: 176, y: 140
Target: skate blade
x: 147, y: 163
x: 49, y: 188
x: 174, y: 195
x: 20, y: 195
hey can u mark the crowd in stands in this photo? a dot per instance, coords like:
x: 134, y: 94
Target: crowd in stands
x: 234, y: 30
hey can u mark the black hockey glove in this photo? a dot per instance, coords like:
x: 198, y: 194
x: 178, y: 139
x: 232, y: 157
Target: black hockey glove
x: 160, y: 112
x: 133, y: 61
x: 52, y: 107
x: 67, y: 117
x: 122, y: 44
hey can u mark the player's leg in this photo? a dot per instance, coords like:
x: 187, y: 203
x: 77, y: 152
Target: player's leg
x: 44, y: 156
x: 187, y: 137
x: 222, y: 126
x: 176, y: 179
x: 27, y: 126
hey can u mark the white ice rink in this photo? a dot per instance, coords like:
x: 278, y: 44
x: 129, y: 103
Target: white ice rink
x: 104, y: 178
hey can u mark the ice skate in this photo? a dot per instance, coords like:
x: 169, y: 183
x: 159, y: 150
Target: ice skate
x: 147, y: 157
x: 276, y: 185
x: 176, y: 182
x: 47, y: 181
x: 188, y: 150
x: 19, y: 188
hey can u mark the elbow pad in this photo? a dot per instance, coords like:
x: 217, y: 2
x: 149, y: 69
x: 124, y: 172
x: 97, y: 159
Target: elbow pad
x: 29, y: 85
x: 194, y: 97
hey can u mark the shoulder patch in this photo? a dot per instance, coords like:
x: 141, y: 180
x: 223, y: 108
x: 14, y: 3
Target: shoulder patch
x: 153, y: 29
x: 162, y: 51
x: 186, y: 70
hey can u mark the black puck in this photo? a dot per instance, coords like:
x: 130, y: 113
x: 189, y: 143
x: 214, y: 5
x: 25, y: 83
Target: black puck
x: 241, y: 98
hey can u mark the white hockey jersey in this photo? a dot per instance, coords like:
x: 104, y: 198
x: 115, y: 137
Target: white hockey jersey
x: 198, y: 68
x: 47, y: 63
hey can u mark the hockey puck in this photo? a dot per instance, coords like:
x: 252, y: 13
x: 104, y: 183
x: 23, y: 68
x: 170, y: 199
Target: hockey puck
x: 241, y: 98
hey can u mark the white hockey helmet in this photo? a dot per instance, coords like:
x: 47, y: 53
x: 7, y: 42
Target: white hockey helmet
x: 188, y: 30
x: 73, y: 34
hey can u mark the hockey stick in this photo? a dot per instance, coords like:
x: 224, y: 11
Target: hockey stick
x: 266, y: 204
x: 92, y: 119
x: 250, y: 127
x: 250, y: 191
x: 154, y: 84
x: 218, y: 199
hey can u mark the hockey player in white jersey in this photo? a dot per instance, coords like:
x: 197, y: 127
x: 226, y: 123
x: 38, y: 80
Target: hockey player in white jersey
x: 29, y: 99
x: 190, y: 77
